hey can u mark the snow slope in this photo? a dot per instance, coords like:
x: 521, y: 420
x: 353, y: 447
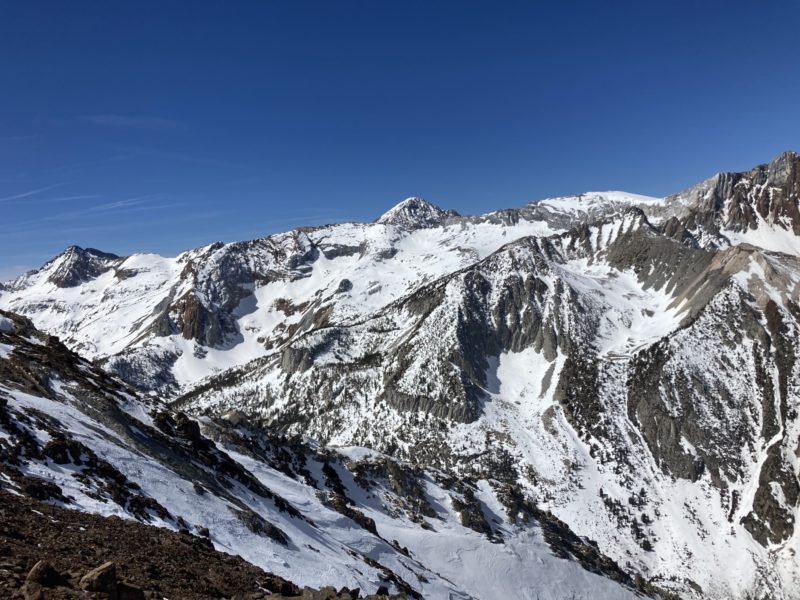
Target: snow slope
x: 109, y: 452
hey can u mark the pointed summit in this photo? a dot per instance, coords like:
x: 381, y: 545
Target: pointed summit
x: 416, y: 213
x: 76, y: 265
x: 784, y: 169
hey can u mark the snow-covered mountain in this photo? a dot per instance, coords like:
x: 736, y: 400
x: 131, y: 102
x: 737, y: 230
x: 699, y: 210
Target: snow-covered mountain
x: 73, y: 435
x: 630, y: 363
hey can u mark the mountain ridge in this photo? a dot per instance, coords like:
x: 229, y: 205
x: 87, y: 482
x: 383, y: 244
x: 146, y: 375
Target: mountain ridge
x: 786, y: 165
x: 627, y: 361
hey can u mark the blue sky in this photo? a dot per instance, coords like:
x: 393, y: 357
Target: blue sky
x: 160, y: 126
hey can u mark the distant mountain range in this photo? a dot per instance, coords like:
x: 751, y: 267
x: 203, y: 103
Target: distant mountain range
x: 594, y: 395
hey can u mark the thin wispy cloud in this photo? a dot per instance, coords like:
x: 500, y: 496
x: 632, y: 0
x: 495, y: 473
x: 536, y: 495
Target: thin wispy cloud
x: 119, y: 204
x: 150, y: 207
x: 36, y: 200
x: 68, y: 198
x: 30, y: 193
x: 131, y: 121
x: 106, y: 209
x: 128, y: 205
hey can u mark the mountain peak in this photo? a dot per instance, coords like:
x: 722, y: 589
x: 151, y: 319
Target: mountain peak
x: 784, y: 168
x: 76, y: 265
x: 416, y: 213
x: 77, y: 251
x: 788, y: 155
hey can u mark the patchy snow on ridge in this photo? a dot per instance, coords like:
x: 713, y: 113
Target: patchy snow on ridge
x: 593, y: 200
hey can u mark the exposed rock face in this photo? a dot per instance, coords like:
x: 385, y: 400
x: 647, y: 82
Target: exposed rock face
x: 416, y: 213
x: 77, y: 266
x: 741, y: 202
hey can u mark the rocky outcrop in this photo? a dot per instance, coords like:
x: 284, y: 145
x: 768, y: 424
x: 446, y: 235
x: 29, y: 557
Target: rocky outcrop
x: 416, y: 213
x: 77, y: 265
x: 738, y: 202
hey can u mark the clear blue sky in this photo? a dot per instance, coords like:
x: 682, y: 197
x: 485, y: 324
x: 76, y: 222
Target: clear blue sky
x: 160, y: 126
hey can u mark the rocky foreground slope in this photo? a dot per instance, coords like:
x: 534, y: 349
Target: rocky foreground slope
x: 625, y: 364
x: 52, y: 552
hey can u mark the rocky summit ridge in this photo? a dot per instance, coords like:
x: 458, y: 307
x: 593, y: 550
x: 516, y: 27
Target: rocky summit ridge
x: 613, y: 372
x: 415, y: 213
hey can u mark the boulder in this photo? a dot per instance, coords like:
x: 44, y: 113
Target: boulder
x: 44, y: 574
x: 101, y: 579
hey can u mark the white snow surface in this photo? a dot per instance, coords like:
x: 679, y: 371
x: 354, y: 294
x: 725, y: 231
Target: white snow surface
x: 448, y: 561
